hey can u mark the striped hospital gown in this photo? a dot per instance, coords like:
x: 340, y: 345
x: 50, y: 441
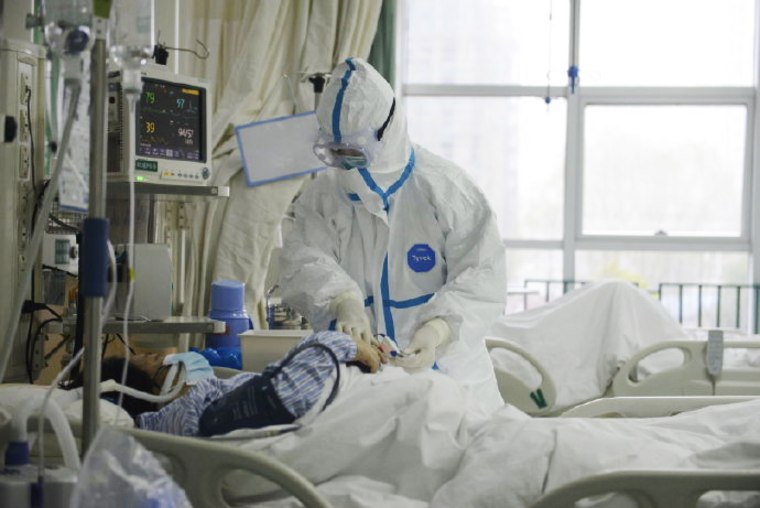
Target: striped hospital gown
x: 299, y: 385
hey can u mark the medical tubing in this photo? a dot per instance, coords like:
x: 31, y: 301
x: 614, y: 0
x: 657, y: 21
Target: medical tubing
x: 51, y: 410
x: 61, y: 375
x: 167, y: 385
x: 131, y: 99
x: 106, y: 310
x: 113, y: 386
x: 33, y: 248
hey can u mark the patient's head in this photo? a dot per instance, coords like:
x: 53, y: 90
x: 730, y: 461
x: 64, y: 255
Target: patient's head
x: 145, y: 372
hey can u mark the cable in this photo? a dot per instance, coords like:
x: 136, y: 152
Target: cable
x: 118, y: 336
x: 56, y: 269
x: 28, y: 101
x: 51, y: 310
x: 27, y: 351
x: 32, y: 249
x: 33, y: 342
x: 58, y: 221
x: 58, y: 347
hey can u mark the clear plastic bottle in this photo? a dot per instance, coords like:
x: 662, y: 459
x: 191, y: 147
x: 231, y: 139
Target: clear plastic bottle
x: 67, y: 31
x: 131, y: 40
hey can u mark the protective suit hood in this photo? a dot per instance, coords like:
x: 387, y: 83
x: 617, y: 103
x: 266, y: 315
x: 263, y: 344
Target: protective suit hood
x: 358, y: 99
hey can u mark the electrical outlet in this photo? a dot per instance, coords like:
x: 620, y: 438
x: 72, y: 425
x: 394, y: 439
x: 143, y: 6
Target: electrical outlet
x: 181, y: 217
x: 24, y: 162
x: 23, y: 199
x: 24, y: 82
x: 23, y: 126
x: 22, y: 236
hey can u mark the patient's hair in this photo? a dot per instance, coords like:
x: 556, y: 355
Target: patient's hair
x: 137, y: 378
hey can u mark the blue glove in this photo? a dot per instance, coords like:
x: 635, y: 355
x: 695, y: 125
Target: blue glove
x: 196, y: 366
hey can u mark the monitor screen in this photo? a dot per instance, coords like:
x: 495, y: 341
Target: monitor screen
x: 170, y: 121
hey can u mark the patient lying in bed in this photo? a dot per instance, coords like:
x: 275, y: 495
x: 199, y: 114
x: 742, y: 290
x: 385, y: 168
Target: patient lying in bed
x: 583, y: 338
x: 284, y: 392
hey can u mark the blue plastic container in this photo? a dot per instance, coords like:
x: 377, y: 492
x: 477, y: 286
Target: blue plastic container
x: 228, y: 305
x: 222, y: 357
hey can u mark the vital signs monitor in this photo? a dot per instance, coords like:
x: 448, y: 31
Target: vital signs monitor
x: 167, y: 138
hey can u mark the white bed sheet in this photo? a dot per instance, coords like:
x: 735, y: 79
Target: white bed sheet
x: 583, y: 337
x: 399, y: 440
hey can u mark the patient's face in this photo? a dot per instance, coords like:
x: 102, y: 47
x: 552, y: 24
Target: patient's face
x: 152, y: 364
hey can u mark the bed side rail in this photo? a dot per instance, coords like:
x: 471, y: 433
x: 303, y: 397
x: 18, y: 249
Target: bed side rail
x: 649, y: 407
x: 651, y: 489
x: 536, y: 401
x: 689, y: 378
x: 200, y: 466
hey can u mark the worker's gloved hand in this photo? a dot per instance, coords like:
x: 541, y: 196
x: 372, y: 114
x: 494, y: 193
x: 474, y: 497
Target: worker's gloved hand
x: 351, y: 318
x: 420, y: 354
x: 368, y: 355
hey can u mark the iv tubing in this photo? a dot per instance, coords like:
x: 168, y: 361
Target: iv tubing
x: 131, y: 100
x: 170, y: 376
x: 60, y: 426
x: 64, y: 372
x: 112, y: 386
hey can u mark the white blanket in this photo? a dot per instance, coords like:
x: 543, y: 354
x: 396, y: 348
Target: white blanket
x: 584, y: 337
x: 394, y: 440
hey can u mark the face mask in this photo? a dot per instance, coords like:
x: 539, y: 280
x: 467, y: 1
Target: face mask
x: 196, y: 366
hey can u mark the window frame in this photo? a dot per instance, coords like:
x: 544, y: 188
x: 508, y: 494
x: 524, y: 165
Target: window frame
x: 670, y: 96
x: 573, y: 239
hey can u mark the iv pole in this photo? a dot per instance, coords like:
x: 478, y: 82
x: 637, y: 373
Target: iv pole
x: 94, y: 251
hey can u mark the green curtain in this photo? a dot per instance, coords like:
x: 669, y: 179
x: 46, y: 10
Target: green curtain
x: 383, y: 52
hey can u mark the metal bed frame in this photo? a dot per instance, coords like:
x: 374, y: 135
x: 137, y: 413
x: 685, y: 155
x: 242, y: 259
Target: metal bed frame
x: 199, y: 465
x: 690, y: 378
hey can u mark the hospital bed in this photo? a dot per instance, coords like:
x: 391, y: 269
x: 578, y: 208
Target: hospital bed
x: 199, y: 466
x: 686, y: 374
x: 421, y: 453
x: 194, y: 458
x: 666, y: 489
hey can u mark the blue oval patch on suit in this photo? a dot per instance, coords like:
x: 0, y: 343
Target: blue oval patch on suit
x: 421, y: 257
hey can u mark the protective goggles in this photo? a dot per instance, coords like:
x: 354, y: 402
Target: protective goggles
x: 357, y: 150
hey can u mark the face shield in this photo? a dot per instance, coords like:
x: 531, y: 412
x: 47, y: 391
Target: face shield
x: 357, y: 150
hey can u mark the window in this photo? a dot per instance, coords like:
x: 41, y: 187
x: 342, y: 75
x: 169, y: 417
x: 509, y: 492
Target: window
x: 643, y: 168
x: 516, y: 154
x: 485, y: 42
x: 634, y: 157
x: 667, y: 43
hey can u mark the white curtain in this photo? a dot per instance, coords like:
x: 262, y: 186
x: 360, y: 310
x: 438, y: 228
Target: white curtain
x: 259, y: 52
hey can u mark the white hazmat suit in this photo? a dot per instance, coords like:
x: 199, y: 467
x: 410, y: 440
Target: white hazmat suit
x: 410, y: 236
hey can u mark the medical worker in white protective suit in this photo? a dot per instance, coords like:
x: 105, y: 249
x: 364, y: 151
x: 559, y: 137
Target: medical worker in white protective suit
x: 396, y: 240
